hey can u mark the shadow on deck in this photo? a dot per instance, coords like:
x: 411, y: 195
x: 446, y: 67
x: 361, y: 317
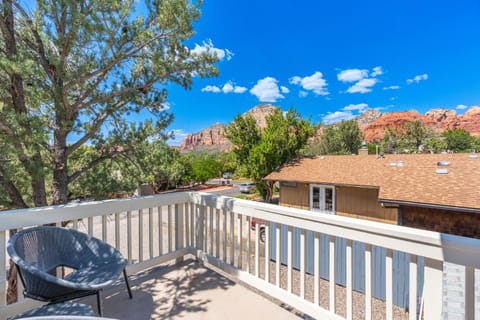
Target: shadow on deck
x: 186, y: 290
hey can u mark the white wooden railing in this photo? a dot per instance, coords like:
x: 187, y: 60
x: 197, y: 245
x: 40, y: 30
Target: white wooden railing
x: 216, y: 230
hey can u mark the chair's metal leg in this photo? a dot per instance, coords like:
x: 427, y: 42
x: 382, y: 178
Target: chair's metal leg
x: 127, y: 283
x: 100, y: 303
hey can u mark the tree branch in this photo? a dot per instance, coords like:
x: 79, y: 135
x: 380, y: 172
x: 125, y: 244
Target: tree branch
x: 13, y: 193
x: 92, y: 164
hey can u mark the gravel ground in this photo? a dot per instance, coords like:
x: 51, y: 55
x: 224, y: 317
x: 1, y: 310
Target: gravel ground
x: 378, y: 306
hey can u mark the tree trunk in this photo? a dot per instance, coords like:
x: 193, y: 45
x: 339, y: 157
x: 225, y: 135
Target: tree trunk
x: 268, y: 191
x: 60, y: 172
x: 12, y: 284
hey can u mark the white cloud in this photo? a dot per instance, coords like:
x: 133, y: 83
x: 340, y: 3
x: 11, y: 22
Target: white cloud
x: 364, y: 81
x: 462, y: 107
x: 284, y: 89
x: 267, y: 90
x: 239, y: 89
x: 227, y: 87
x: 214, y: 89
x: 418, y: 78
x: 360, y: 107
x: 337, y: 116
x: 363, y: 86
x: 303, y: 94
x: 207, y: 46
x: 391, y: 88
x: 377, y: 71
x: 178, y: 137
x: 315, y: 83
x: 351, y: 75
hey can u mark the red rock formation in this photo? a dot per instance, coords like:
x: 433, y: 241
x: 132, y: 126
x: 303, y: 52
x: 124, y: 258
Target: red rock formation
x: 213, y: 139
x: 394, y: 120
x: 470, y: 121
x: 371, y: 122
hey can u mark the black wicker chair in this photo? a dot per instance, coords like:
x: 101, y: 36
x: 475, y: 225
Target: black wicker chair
x: 39, y: 251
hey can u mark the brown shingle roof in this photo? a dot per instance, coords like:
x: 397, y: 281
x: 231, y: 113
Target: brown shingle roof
x: 416, y: 181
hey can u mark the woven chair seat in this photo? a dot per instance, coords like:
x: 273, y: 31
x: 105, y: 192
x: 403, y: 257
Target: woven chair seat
x: 38, y: 252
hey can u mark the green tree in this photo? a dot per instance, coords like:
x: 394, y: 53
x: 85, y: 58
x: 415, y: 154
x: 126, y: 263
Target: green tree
x: 205, y: 167
x: 390, y: 141
x: 350, y: 136
x: 346, y: 138
x: 476, y: 144
x: 458, y: 140
x: 330, y: 142
x: 413, y: 135
x: 70, y: 74
x: 281, y: 141
x: 243, y: 134
x: 436, y: 144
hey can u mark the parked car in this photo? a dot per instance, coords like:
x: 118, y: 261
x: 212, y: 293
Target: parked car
x: 261, y: 224
x: 247, y: 187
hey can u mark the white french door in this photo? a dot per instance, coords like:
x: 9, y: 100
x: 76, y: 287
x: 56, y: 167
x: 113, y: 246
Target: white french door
x: 322, y: 198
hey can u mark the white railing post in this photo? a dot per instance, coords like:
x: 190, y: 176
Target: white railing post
x: 179, y: 243
x: 200, y: 213
x: 433, y: 289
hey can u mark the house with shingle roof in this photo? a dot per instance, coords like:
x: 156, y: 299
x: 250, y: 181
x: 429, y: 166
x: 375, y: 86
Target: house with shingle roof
x: 438, y: 192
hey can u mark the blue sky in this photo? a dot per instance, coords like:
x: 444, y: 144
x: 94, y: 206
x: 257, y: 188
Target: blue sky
x: 331, y: 60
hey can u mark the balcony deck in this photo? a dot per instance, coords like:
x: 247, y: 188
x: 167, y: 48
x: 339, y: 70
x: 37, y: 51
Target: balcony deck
x: 187, y: 290
x: 325, y: 266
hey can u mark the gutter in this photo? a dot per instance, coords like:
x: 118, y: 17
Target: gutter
x: 432, y: 206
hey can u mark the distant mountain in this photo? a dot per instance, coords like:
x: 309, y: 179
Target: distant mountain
x: 213, y: 139
x: 372, y: 123
x: 438, y: 120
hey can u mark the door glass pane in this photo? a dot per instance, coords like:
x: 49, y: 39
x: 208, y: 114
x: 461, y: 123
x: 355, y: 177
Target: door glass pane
x: 315, y: 198
x: 328, y: 199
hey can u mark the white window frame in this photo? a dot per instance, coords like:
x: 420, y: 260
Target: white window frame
x: 322, y: 188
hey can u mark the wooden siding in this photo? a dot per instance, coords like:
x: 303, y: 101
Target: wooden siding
x: 295, y: 197
x: 362, y: 203
x: 355, y: 202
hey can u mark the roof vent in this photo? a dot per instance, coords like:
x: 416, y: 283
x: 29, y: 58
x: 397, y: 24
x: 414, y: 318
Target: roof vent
x: 393, y: 164
x: 473, y: 156
x: 443, y: 163
x: 400, y: 163
x: 441, y: 171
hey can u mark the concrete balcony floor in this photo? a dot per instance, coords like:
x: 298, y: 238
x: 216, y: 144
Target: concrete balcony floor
x: 186, y: 290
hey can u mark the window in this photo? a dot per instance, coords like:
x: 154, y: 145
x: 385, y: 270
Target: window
x: 322, y: 198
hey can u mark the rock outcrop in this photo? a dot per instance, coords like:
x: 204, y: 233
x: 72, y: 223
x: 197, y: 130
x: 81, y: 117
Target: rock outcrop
x: 394, y: 120
x: 213, y: 138
x: 372, y: 123
x: 367, y: 118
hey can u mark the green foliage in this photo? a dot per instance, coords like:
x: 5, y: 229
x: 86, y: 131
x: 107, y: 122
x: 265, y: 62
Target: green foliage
x: 476, y: 144
x: 244, y: 135
x: 205, y: 167
x: 389, y: 142
x: 413, y: 135
x: 435, y: 144
x: 346, y: 138
x: 351, y: 136
x: 261, y: 153
x: 72, y: 72
x: 458, y: 140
